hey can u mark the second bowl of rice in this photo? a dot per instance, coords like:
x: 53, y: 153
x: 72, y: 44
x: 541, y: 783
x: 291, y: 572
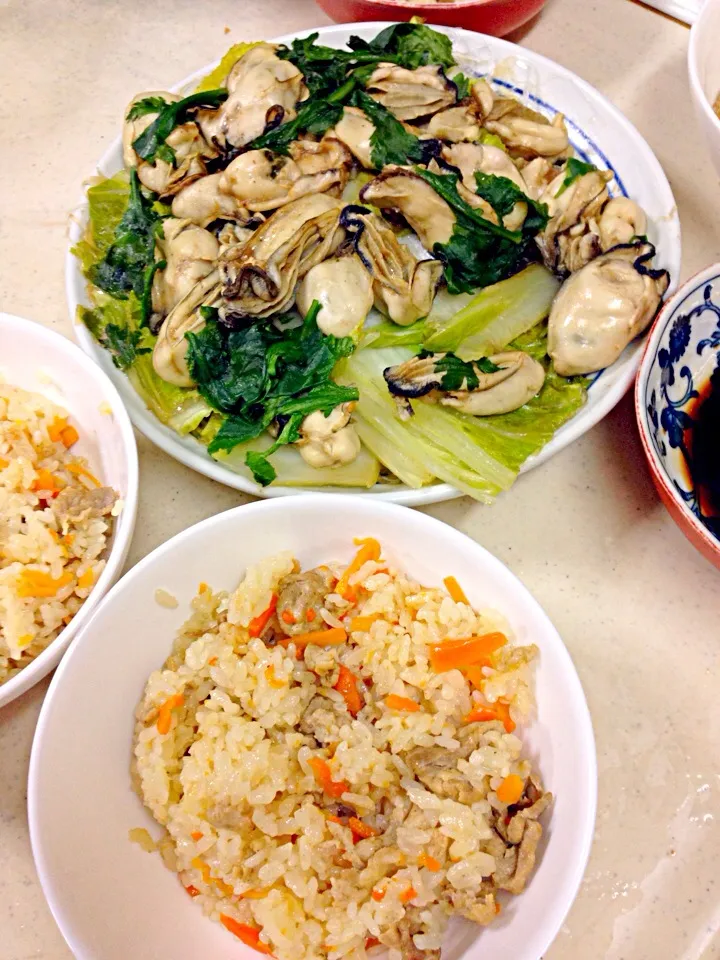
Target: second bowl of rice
x: 287, y: 757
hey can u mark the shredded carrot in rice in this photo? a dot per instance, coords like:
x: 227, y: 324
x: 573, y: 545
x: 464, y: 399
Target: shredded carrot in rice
x: 455, y: 590
x: 79, y: 470
x: 365, y: 622
x: 197, y: 835
x: 193, y: 891
x: 86, y: 578
x: 165, y: 713
x: 258, y: 624
x: 407, y: 895
x: 323, y: 775
x: 511, y: 789
x: 255, y: 893
x: 347, y: 685
x: 332, y: 637
x: 369, y: 550
x: 394, y: 702
x: 56, y: 427
x: 465, y: 652
x: 250, y: 936
x: 273, y: 680
x: 378, y: 895
x: 425, y: 860
x: 69, y: 435
x: 45, y: 481
x: 361, y: 830
x: 38, y: 583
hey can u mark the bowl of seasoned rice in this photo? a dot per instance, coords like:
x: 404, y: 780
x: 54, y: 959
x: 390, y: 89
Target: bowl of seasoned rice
x: 338, y: 729
x: 68, y: 495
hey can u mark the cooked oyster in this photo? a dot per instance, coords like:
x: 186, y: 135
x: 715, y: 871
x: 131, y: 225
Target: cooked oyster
x: 621, y: 221
x: 455, y: 124
x: 403, y: 287
x: 190, y: 254
x: 190, y: 147
x: 170, y: 352
x: 203, y: 201
x: 262, y: 89
x: 482, y: 99
x: 518, y: 379
x: 259, y: 277
x: 409, y: 94
x: 329, y: 441
x: 571, y: 238
x: 343, y: 288
x: 604, y: 306
x: 470, y: 158
x: 355, y: 130
x: 527, y: 133
x: 398, y: 188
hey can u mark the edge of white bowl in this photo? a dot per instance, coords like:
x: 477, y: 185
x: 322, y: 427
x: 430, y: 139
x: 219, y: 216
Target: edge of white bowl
x: 660, y: 323
x: 575, y: 690
x: 692, y: 57
x: 198, y: 460
x: 125, y: 526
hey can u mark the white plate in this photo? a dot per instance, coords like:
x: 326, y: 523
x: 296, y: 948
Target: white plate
x: 598, y: 131
x: 39, y: 360
x: 113, y: 901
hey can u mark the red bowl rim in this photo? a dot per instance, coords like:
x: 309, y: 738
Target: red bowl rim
x: 412, y: 4
x: 656, y: 468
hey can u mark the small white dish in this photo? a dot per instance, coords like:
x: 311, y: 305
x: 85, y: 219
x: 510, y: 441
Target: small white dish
x: 113, y: 901
x: 36, y: 359
x: 704, y: 72
x: 598, y: 132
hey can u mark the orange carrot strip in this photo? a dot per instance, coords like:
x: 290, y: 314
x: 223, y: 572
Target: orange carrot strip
x: 407, y: 895
x: 69, y: 435
x: 511, y: 789
x: 37, y: 583
x: 202, y: 867
x: 309, y: 615
x: 347, y: 686
x: 86, y: 578
x: 475, y: 675
x: 272, y: 679
x: 425, y: 860
x: 369, y: 550
x: 332, y: 637
x: 371, y: 942
x: 212, y: 661
x: 250, y: 936
x: 394, y: 702
x: 81, y: 471
x: 492, y: 711
x: 203, y: 587
x: 45, y: 481
x: 258, y: 624
x: 193, y: 891
x: 466, y: 652
x: 255, y: 893
x: 365, y: 622
x: 56, y: 427
x: 165, y: 712
x: 197, y: 835
x: 287, y: 616
x: 360, y: 829
x: 377, y: 895
x: 455, y: 590
x: 323, y: 775
x: 339, y: 820
x: 4, y: 463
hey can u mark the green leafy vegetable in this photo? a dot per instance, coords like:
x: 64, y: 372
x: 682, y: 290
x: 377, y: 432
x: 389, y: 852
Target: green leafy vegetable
x: 502, y: 195
x: 492, y: 140
x: 324, y: 68
x: 116, y: 325
x: 460, y: 374
x: 574, y: 169
x: 126, y: 262
x: 260, y: 374
x: 480, y: 252
x: 150, y: 144
x: 409, y: 44
x: 390, y: 142
x: 462, y: 83
x: 314, y: 116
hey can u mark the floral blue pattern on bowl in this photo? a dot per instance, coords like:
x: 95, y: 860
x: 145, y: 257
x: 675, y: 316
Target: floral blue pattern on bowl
x: 685, y: 356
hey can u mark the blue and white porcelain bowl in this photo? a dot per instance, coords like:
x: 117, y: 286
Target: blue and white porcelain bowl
x: 682, y: 353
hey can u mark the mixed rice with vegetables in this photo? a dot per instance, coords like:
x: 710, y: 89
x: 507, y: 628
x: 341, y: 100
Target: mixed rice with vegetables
x: 55, y: 520
x: 333, y: 755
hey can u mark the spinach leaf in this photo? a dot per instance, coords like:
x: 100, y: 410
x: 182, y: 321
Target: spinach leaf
x: 574, y: 169
x: 260, y: 374
x: 151, y: 142
x: 130, y: 256
x: 409, y: 44
x: 314, y: 116
x: 479, y: 252
x: 390, y: 142
x: 459, y: 374
x: 124, y: 345
x: 502, y: 195
x: 462, y: 83
x: 323, y: 68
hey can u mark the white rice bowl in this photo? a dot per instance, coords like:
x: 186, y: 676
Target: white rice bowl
x: 82, y: 805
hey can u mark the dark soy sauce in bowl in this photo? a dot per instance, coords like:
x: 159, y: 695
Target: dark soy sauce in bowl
x: 702, y: 442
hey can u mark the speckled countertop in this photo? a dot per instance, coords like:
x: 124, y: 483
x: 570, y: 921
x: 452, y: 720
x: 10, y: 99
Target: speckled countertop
x: 637, y: 607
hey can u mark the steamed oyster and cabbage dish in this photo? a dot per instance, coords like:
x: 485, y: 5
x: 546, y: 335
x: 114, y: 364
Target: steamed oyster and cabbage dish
x: 349, y: 266
x: 335, y: 756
